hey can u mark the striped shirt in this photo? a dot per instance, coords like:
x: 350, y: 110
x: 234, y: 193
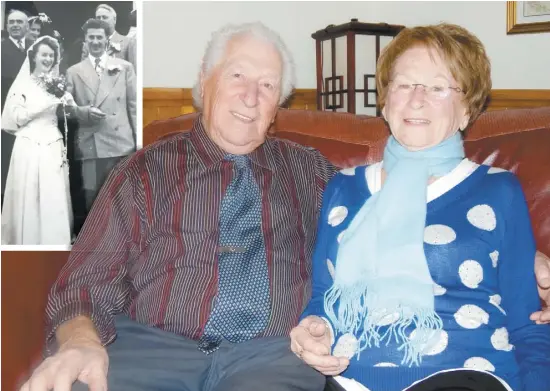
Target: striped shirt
x: 149, y: 246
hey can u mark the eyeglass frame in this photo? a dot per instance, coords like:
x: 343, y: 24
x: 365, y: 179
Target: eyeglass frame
x: 427, y: 92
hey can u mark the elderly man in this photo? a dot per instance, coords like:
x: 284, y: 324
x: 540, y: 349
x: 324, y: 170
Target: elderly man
x: 194, y: 264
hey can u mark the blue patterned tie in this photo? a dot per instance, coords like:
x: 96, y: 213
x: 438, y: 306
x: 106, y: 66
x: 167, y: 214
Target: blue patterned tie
x: 241, y: 308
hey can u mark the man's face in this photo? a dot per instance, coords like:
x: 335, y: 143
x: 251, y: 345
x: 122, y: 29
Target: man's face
x: 96, y: 40
x: 17, y: 25
x: 241, y: 94
x: 107, y: 17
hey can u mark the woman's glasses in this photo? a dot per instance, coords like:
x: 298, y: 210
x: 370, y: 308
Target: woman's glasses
x: 434, y: 93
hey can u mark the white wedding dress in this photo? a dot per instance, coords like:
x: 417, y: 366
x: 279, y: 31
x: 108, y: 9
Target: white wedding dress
x: 37, y: 204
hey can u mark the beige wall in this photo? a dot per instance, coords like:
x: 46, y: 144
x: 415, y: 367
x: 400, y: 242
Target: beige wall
x: 175, y: 35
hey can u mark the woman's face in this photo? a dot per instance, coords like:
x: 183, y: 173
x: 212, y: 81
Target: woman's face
x: 34, y: 31
x: 45, y: 57
x: 419, y: 119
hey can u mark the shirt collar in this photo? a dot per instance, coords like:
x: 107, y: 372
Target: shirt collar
x: 103, y: 60
x: 210, y: 153
x: 16, y: 40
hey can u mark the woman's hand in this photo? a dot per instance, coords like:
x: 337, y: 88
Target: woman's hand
x: 68, y: 100
x: 311, y: 341
x: 542, y: 272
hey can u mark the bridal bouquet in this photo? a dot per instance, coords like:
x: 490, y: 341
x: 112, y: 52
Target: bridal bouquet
x: 55, y: 85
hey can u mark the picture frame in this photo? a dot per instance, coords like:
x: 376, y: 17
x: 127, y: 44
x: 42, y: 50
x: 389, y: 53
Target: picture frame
x: 524, y: 17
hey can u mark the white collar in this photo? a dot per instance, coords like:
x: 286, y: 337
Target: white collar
x: 15, y: 41
x: 436, y: 189
x: 102, y: 60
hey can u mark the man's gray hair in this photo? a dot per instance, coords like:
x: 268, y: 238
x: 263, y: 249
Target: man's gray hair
x: 21, y: 12
x: 107, y: 7
x: 218, y: 44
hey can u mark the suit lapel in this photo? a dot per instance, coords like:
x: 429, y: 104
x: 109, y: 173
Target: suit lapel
x: 89, y: 75
x: 116, y: 37
x: 107, y: 83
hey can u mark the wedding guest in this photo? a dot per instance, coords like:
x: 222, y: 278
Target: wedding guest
x: 13, y: 54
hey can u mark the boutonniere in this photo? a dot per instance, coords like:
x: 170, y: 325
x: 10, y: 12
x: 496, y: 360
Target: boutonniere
x: 114, y: 69
x: 115, y: 47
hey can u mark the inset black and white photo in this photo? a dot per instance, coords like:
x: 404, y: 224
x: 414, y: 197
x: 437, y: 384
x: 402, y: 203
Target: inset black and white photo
x: 68, y: 112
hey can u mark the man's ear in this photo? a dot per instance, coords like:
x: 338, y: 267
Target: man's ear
x: 201, y: 78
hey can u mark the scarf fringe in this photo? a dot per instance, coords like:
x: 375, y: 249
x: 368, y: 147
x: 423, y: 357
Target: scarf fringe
x: 356, y: 312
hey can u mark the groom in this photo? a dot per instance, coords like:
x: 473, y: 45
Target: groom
x: 104, y: 89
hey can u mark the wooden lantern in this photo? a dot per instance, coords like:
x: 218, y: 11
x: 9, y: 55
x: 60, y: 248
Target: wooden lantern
x: 346, y: 57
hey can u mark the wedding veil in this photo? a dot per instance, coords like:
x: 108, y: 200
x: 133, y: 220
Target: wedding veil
x: 18, y: 91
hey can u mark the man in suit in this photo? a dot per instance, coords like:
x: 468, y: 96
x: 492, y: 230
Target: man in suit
x: 118, y: 43
x: 104, y: 89
x: 14, y: 49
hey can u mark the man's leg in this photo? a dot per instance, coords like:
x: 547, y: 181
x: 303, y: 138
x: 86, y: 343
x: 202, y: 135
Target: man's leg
x: 89, y: 182
x: 265, y: 364
x: 8, y: 140
x: 143, y: 358
x: 94, y: 174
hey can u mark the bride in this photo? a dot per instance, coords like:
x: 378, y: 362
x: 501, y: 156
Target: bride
x: 37, y: 204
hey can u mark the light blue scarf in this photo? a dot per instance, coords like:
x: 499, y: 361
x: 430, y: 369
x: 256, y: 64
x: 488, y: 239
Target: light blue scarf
x: 381, y: 270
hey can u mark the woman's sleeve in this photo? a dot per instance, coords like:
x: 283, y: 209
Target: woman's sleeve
x: 519, y: 293
x: 322, y: 272
x: 24, y: 108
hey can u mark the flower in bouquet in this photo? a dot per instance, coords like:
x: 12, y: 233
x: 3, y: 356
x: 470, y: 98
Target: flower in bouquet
x: 55, y: 85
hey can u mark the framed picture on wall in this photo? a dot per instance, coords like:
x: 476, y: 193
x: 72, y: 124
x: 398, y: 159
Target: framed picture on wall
x: 527, y: 17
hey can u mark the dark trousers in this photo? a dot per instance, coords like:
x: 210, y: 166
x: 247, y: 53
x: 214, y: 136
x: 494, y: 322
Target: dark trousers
x: 460, y: 380
x: 87, y: 177
x: 144, y: 358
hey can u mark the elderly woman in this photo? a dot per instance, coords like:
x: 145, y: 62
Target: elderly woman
x: 418, y: 257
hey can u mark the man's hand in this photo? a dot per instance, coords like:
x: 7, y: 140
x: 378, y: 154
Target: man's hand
x: 86, y: 361
x: 542, y: 271
x: 310, y: 341
x: 96, y: 115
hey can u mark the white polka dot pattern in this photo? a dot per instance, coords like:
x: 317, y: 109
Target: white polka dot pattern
x: 340, y: 236
x: 330, y: 267
x: 346, y: 346
x: 482, y: 217
x: 436, y: 344
x: 496, y: 300
x: 386, y: 365
x: 479, y: 363
x: 499, y: 340
x: 439, y: 234
x: 471, y: 273
x: 439, y: 290
x: 337, y: 215
x: 471, y: 316
x: 494, y: 258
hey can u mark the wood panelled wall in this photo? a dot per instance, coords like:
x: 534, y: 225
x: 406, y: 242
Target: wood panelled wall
x: 164, y: 103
